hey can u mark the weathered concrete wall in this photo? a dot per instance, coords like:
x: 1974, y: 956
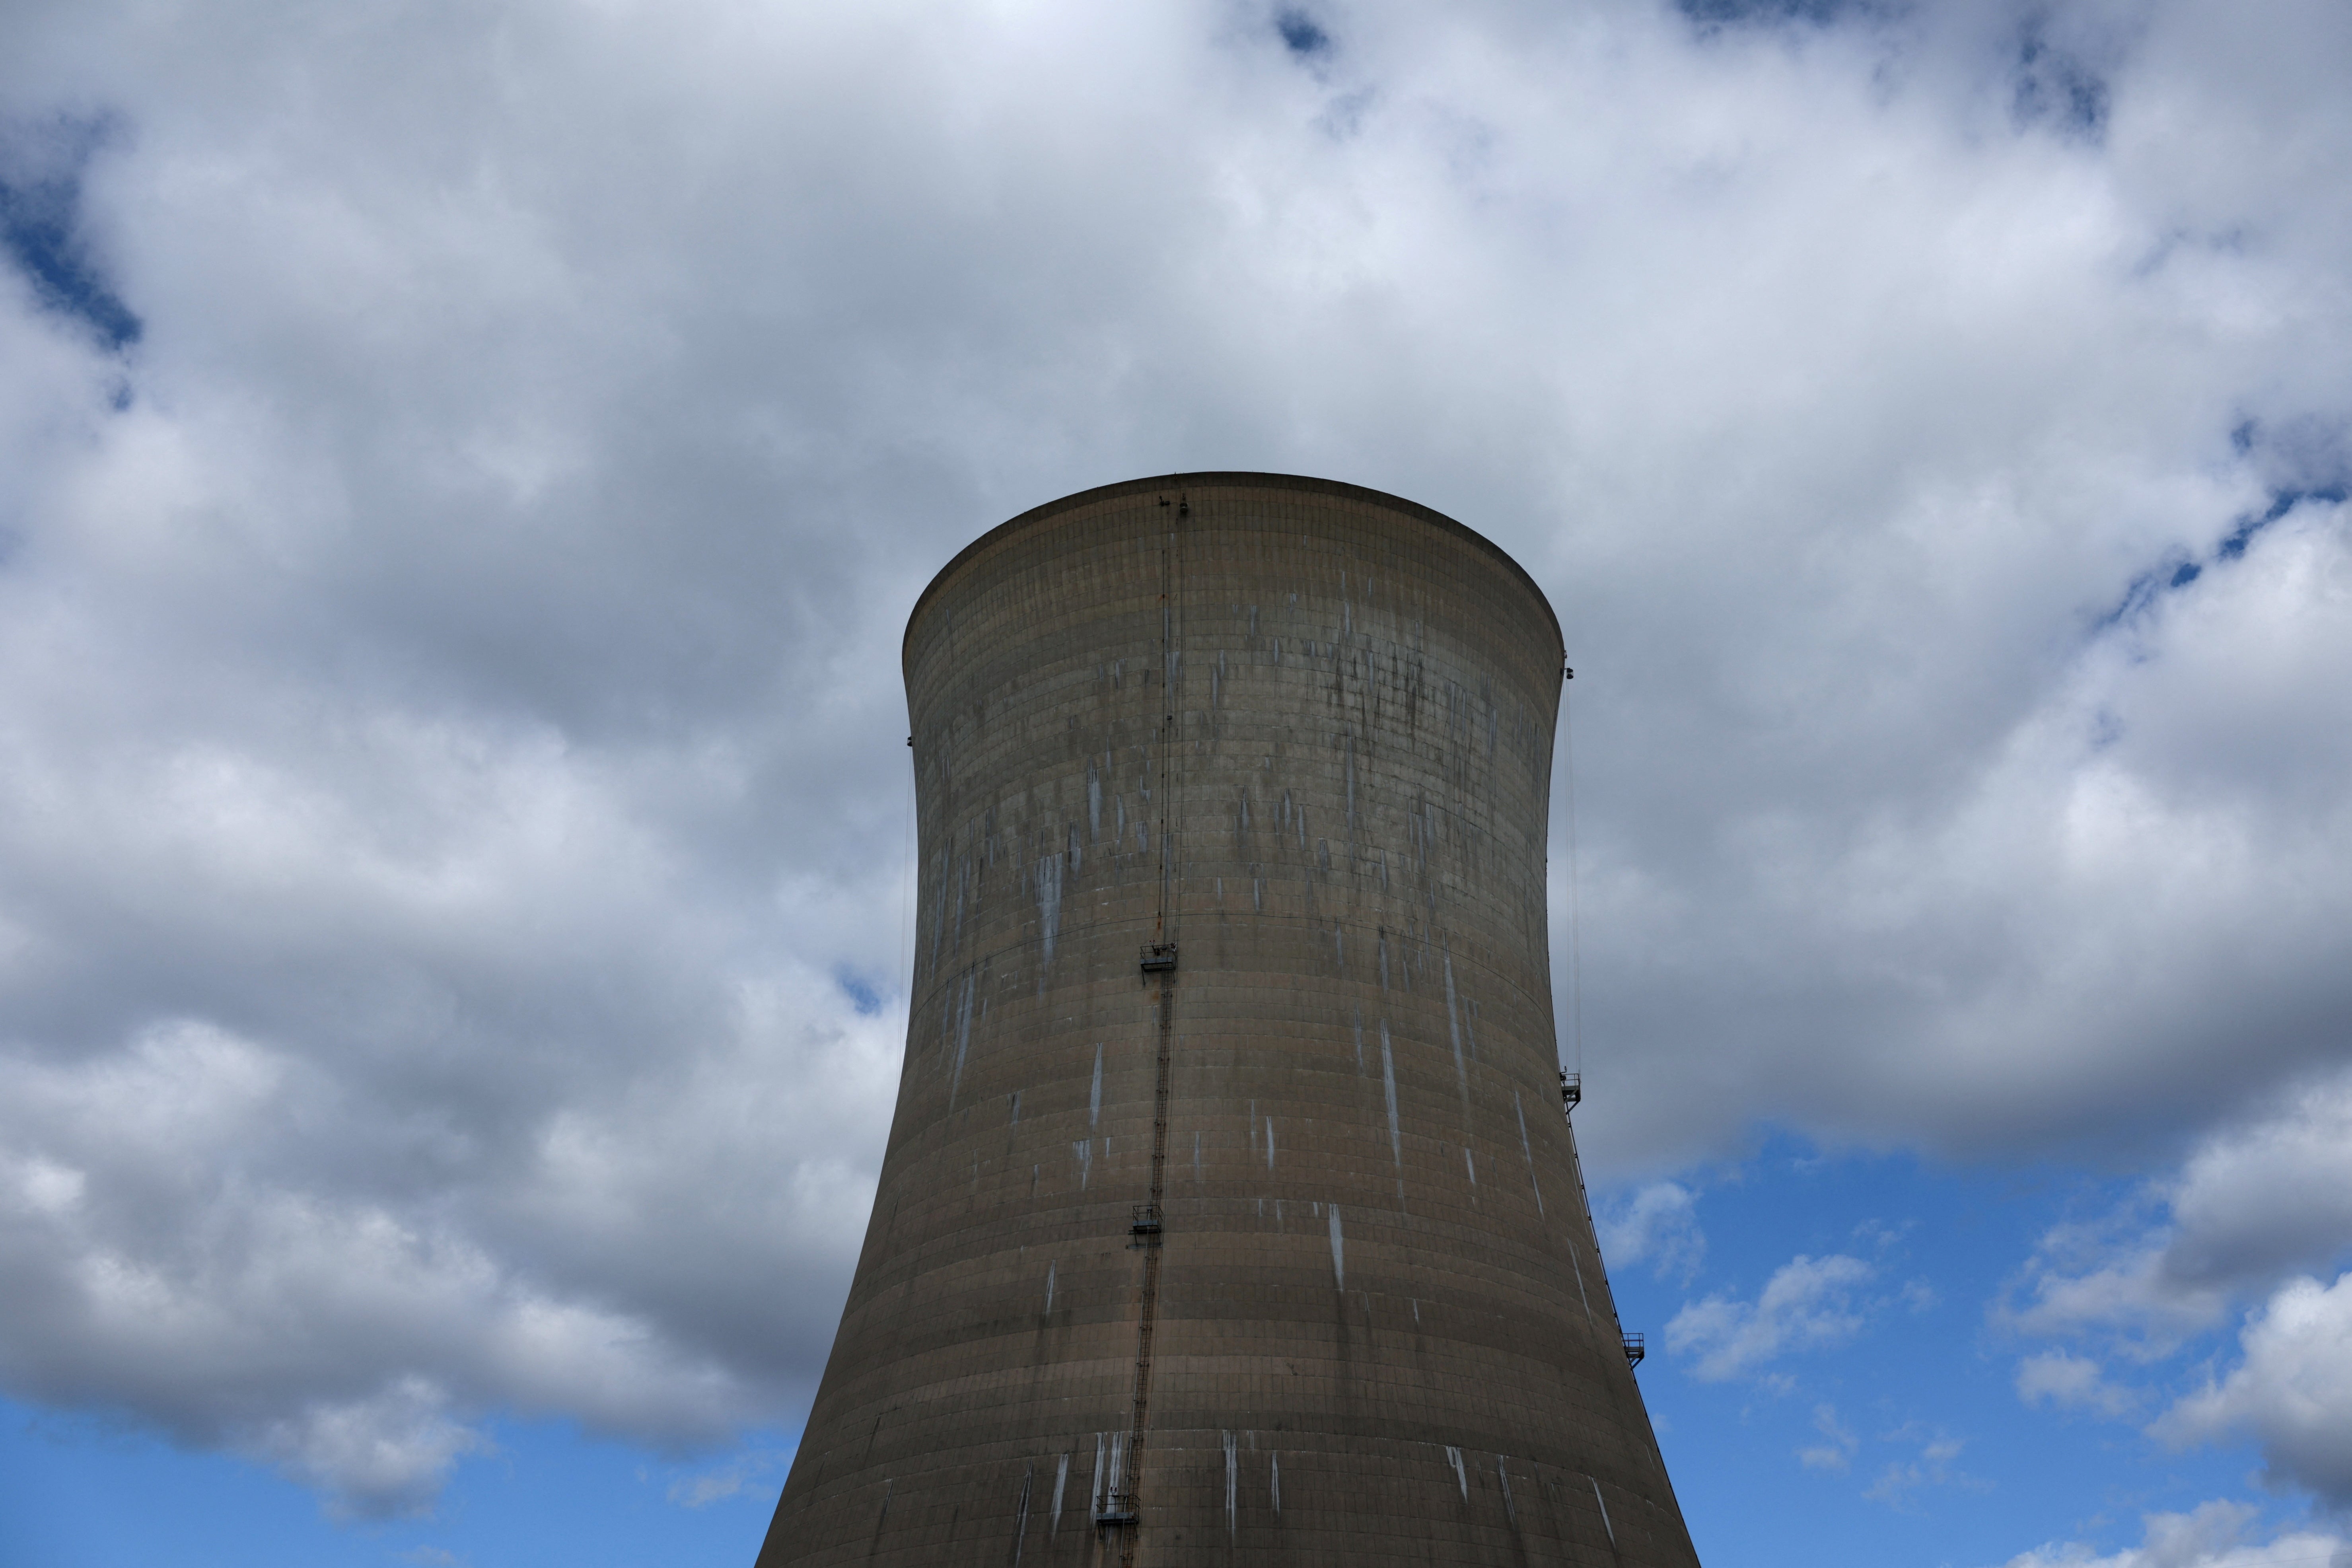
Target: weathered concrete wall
x: 1304, y: 732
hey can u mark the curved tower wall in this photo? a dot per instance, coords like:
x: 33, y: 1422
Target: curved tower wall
x: 1282, y: 1252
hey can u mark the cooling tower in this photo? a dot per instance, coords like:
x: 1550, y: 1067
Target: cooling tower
x: 1229, y: 1212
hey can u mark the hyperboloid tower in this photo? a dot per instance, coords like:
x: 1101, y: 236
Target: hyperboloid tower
x: 1229, y: 1212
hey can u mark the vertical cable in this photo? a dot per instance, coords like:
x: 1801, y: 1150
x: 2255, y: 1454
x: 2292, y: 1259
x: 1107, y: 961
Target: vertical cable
x: 1575, y: 936
x: 907, y: 880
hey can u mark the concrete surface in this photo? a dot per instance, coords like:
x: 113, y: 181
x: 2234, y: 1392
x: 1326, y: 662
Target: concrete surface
x: 1302, y: 732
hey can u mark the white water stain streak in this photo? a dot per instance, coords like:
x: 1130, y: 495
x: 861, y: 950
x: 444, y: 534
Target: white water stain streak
x: 1094, y: 1095
x: 1528, y: 1149
x: 1061, y: 1480
x: 1461, y: 1476
x: 1050, y: 1269
x: 1232, y: 1486
x: 1338, y: 1252
x: 1049, y: 909
x: 1388, y: 1083
x: 963, y: 1036
x: 1351, y: 784
x: 1454, y: 1027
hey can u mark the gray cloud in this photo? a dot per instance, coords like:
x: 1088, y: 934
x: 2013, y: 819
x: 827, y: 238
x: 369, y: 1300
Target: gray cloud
x: 2257, y: 1201
x: 2292, y: 1391
x: 2269, y: 1193
x: 451, y: 791
x: 2254, y: 1215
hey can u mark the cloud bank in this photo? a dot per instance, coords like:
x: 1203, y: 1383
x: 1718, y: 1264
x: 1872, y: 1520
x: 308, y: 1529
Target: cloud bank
x: 462, y: 476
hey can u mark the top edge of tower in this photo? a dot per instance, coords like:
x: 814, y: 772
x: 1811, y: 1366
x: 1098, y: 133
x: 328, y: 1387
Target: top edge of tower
x: 1212, y: 479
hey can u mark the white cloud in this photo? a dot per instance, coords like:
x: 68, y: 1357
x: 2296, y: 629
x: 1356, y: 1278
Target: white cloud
x: 1807, y: 1304
x: 1658, y: 1225
x: 2292, y: 1392
x: 2109, y: 1279
x: 2210, y: 1536
x: 2072, y: 1383
x: 727, y: 1481
x: 388, y: 1453
x: 159, y: 1254
x: 1935, y: 1466
x: 2136, y: 747
x: 1836, y: 1451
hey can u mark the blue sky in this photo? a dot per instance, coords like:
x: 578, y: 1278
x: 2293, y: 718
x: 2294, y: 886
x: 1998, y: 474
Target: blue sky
x: 463, y: 475
x: 1903, y: 1437
x: 81, y: 1494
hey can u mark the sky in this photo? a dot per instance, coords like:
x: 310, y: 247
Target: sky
x: 464, y: 470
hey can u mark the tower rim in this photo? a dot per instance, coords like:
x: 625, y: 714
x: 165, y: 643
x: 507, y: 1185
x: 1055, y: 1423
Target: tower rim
x: 1306, y: 482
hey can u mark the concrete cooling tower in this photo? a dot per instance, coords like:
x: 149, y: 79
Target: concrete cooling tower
x: 1229, y: 1212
